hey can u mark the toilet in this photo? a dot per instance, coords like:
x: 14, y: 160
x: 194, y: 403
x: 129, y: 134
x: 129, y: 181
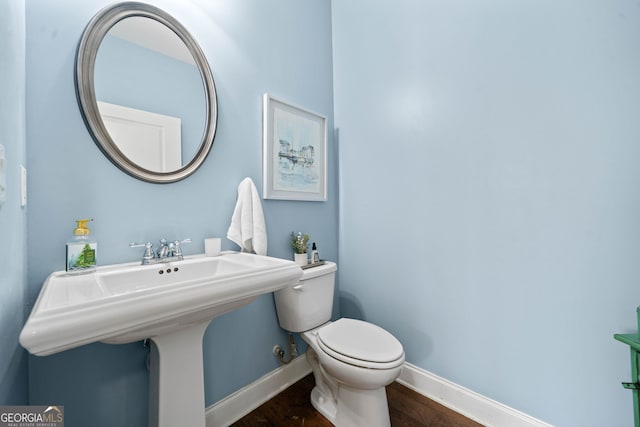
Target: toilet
x: 352, y: 360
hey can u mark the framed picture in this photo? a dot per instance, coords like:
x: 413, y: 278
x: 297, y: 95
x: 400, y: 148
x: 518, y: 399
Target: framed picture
x: 295, y: 152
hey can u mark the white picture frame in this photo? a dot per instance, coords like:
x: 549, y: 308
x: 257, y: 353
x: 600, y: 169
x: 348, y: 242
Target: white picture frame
x: 294, y: 152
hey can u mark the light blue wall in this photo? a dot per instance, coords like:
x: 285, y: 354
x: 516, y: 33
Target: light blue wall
x: 282, y: 47
x: 488, y: 155
x: 490, y: 192
x: 13, y: 218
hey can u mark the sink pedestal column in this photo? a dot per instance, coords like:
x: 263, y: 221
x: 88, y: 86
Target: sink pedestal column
x: 176, y: 384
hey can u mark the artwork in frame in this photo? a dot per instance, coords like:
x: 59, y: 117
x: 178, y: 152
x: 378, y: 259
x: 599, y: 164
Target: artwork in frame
x: 295, y: 152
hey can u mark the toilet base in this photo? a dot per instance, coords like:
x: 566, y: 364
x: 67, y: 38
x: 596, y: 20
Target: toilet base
x: 324, y: 404
x: 353, y: 408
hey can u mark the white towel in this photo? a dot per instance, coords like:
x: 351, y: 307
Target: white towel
x: 247, y: 227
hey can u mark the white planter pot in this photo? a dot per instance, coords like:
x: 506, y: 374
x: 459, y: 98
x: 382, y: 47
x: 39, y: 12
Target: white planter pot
x: 300, y: 259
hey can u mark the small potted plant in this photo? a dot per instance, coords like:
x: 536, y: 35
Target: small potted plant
x: 300, y: 244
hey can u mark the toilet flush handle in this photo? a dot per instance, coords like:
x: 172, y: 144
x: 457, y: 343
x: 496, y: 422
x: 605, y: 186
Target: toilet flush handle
x: 298, y: 287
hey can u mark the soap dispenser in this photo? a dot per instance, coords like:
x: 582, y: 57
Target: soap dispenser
x: 82, y: 250
x: 315, y: 256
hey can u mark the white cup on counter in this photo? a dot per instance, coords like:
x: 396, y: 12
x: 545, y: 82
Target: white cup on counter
x: 212, y: 246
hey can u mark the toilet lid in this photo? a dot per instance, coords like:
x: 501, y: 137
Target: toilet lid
x: 360, y: 340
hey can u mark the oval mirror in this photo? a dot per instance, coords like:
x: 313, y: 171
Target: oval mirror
x: 146, y: 92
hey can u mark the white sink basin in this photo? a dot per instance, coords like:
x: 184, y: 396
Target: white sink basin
x: 129, y: 302
x: 170, y: 303
x: 153, y: 277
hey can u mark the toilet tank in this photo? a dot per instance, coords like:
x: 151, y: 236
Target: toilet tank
x: 308, y: 303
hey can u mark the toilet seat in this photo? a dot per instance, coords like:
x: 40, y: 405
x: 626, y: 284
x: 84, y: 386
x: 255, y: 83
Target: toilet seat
x: 360, y: 344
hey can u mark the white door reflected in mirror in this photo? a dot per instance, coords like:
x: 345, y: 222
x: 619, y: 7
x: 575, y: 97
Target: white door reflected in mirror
x: 151, y: 140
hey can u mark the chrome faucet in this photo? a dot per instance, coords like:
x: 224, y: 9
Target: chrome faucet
x: 164, y: 249
x: 171, y: 251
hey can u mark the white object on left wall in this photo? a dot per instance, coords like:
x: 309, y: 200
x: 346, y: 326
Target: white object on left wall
x: 3, y: 176
x: 23, y: 186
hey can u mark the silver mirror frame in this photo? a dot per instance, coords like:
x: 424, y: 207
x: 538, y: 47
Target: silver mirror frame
x: 86, y: 55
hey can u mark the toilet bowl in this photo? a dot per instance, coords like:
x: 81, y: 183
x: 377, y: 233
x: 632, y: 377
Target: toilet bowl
x: 354, y: 373
x: 352, y: 360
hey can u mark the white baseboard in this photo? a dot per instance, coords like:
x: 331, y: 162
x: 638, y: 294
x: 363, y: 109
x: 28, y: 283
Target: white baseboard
x: 464, y: 401
x: 472, y: 405
x: 237, y: 405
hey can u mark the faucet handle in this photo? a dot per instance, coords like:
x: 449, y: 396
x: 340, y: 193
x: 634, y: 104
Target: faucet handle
x: 148, y: 252
x: 177, y: 249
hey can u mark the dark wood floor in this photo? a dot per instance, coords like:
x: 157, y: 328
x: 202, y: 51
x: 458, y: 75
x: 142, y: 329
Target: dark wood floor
x: 406, y: 408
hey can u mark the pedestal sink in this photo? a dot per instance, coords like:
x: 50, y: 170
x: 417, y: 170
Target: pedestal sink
x: 170, y: 303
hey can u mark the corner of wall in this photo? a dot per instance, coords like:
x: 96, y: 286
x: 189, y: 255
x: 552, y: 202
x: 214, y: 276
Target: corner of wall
x: 13, y: 271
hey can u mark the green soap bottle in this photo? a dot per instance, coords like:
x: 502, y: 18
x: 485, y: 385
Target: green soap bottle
x: 82, y: 250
